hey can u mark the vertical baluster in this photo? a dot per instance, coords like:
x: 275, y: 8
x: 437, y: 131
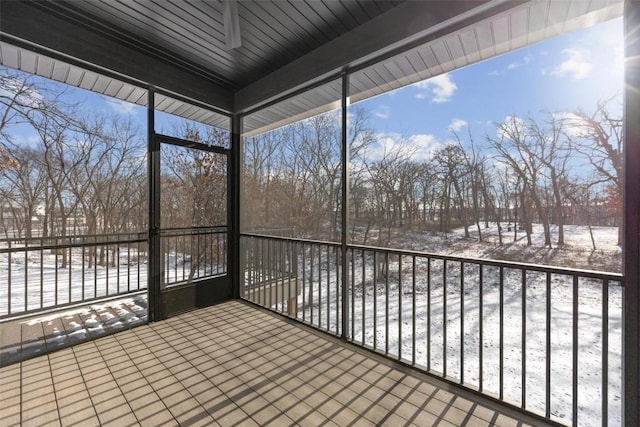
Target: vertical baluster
x: 428, y: 313
x: 413, y: 310
x: 523, y: 380
x: 328, y: 282
x: 605, y: 353
x: 375, y: 300
x: 128, y: 267
x: 9, y: 291
x: 82, y: 252
x: 386, y: 303
x: 95, y: 269
x: 548, y: 349
x: 319, y: 286
x: 107, y: 268
x: 338, y: 292
x: 55, y: 263
x: 399, y: 307
x: 462, y: 322
x: 270, y: 268
x: 364, y: 302
x: 444, y: 318
x: 69, y: 266
x: 311, y: 277
x: 501, y: 291
x: 574, y: 419
x: 352, y: 283
x: 304, y: 282
x: 26, y: 274
x: 481, y: 327
x: 117, y: 253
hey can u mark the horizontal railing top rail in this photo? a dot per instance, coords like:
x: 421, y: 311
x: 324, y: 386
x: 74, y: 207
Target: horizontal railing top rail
x: 604, y: 275
x: 188, y: 231
x: 95, y: 237
x: 290, y: 239
x: 73, y: 242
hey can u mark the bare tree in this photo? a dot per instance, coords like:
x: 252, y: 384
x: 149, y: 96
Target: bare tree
x: 601, y: 142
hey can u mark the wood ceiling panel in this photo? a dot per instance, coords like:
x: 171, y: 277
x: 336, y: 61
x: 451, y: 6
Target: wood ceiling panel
x: 470, y: 45
x: 454, y: 47
x: 112, y: 88
x: 429, y: 59
x: 484, y: 38
x: 60, y: 71
x: 280, y: 21
x: 578, y: 8
x: 89, y: 80
x: 556, y: 17
x: 501, y: 34
x: 44, y: 67
x: 328, y: 16
x: 28, y: 61
x: 342, y: 12
x: 75, y: 76
x: 101, y: 84
x: 537, y: 21
x: 318, y: 24
x: 442, y: 55
x: 519, y: 25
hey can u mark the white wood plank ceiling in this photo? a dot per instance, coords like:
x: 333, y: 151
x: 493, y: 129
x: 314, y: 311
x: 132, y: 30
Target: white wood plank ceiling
x: 277, y: 32
x: 526, y: 24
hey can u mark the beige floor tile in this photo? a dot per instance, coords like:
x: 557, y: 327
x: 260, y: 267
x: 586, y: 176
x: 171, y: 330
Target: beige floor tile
x: 225, y: 365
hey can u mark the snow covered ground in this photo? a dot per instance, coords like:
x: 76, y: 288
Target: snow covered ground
x: 449, y: 316
x: 34, y: 279
x: 39, y: 275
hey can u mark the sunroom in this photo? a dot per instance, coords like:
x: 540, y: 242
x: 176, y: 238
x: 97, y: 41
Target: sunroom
x: 313, y: 212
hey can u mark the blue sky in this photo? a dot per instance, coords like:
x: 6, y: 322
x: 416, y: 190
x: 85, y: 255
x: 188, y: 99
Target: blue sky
x: 559, y: 75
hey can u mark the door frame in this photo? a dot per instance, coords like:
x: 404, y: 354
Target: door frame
x: 199, y: 293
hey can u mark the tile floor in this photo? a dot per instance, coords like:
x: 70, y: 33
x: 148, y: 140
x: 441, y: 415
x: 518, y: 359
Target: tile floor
x: 231, y: 364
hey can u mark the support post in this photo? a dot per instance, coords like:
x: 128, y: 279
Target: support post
x: 153, y: 182
x: 345, y: 208
x: 233, y: 213
x: 631, y: 200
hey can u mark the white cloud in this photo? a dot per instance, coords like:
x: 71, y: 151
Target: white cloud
x: 383, y: 112
x: 121, y: 107
x: 26, y: 139
x: 517, y: 64
x: 457, y: 124
x: 572, y: 124
x: 419, y: 147
x: 575, y: 66
x: 510, y: 126
x: 441, y: 88
x: 423, y: 146
x: 22, y: 92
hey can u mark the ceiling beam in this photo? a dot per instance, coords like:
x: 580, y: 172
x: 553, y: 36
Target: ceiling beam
x: 406, y: 25
x: 31, y: 23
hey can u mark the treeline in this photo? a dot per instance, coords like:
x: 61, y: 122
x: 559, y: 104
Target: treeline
x: 65, y: 170
x: 71, y: 171
x: 554, y: 169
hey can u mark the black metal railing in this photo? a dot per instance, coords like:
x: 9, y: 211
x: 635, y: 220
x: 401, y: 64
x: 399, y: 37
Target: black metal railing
x: 47, y: 272
x: 547, y: 340
x: 190, y: 254
x: 293, y: 276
